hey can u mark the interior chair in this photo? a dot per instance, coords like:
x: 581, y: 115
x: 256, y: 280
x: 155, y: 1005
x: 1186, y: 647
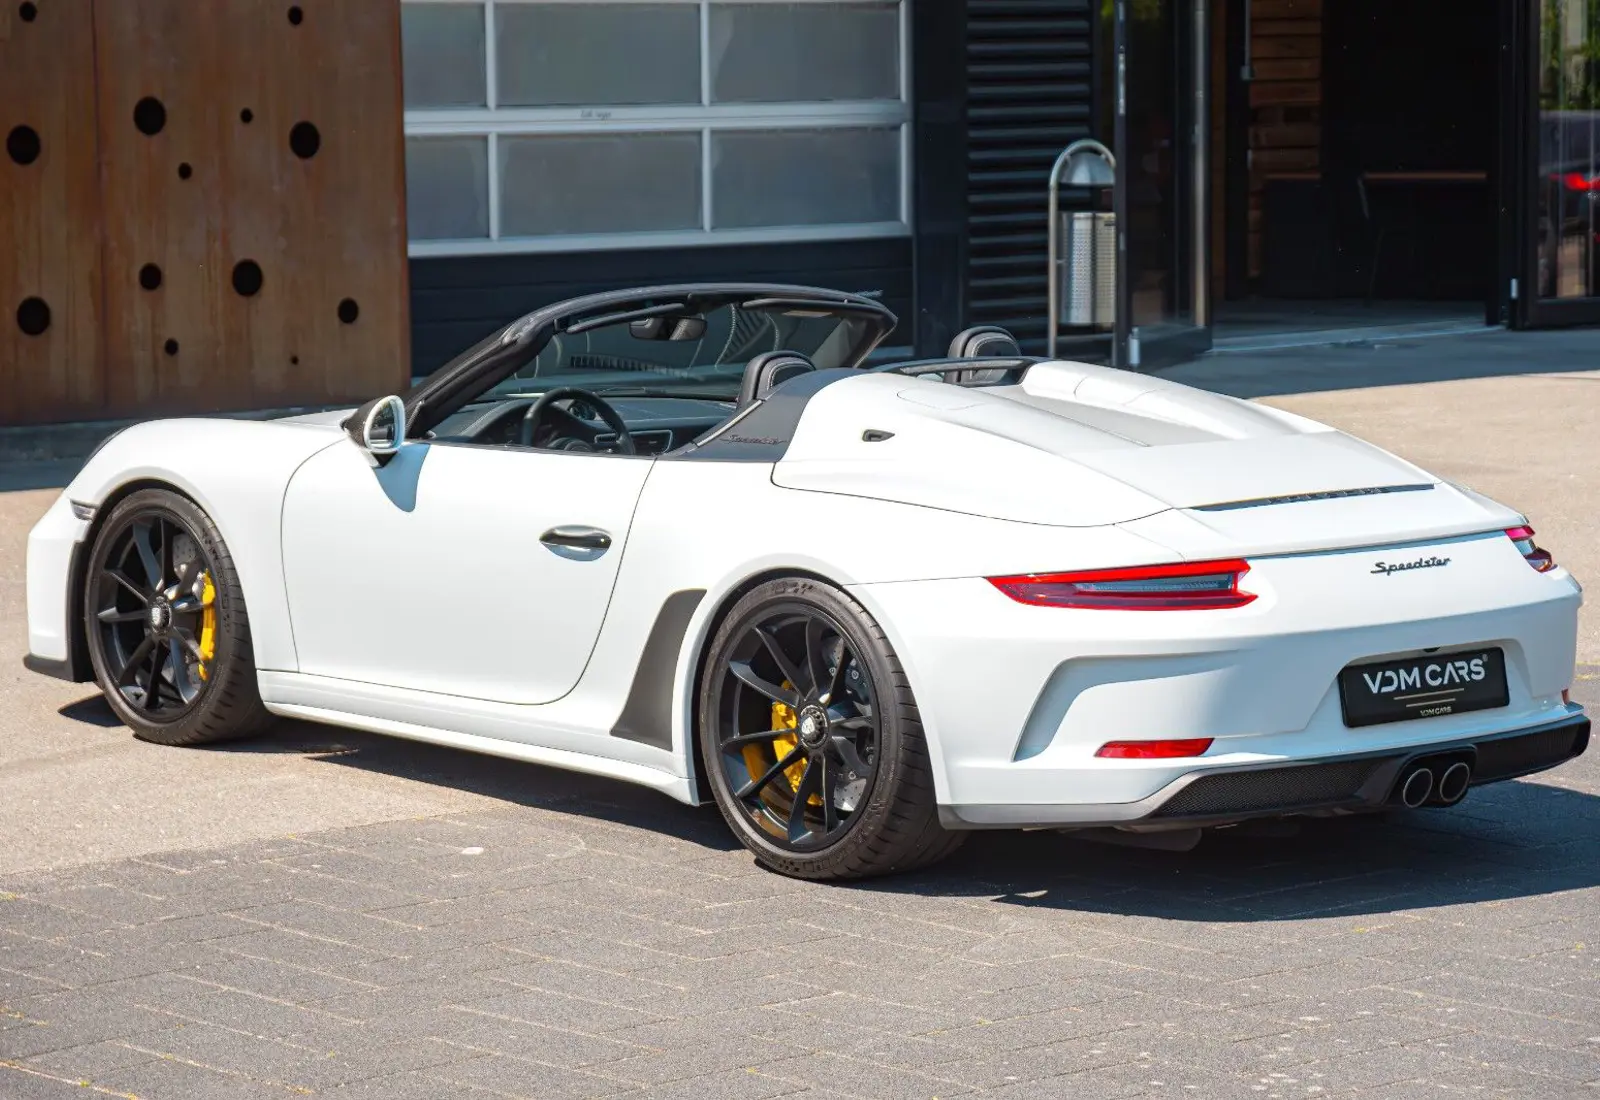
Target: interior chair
x: 769, y: 370
x: 979, y: 342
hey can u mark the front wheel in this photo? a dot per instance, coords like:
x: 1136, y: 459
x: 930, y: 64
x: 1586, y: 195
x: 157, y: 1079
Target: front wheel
x: 812, y: 739
x: 169, y: 636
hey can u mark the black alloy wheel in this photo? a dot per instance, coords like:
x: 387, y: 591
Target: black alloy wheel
x: 155, y: 607
x: 812, y: 739
x: 166, y: 624
x: 798, y: 735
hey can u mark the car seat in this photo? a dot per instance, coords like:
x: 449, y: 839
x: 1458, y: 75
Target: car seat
x: 769, y: 370
x: 981, y: 342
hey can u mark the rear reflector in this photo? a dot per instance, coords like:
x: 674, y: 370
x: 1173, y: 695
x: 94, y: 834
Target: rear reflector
x: 1542, y: 560
x: 1154, y: 750
x: 1193, y: 586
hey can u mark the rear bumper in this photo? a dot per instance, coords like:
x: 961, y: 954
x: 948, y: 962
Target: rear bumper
x: 1353, y: 783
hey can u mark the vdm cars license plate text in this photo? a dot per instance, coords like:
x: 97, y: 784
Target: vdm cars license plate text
x: 1423, y: 687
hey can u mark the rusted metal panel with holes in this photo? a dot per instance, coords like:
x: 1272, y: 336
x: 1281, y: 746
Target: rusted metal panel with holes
x: 51, y: 366
x: 243, y: 219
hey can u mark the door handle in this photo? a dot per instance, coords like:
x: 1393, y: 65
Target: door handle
x: 580, y: 538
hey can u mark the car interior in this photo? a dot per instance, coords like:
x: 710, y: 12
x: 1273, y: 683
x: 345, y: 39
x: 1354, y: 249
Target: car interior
x: 669, y: 381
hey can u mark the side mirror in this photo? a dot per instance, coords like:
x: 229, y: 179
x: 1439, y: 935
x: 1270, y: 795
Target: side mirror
x: 379, y: 428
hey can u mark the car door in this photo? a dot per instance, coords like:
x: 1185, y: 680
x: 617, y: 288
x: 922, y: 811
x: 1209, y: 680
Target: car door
x: 465, y: 570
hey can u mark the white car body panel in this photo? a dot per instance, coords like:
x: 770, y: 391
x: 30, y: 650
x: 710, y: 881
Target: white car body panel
x: 417, y: 599
x: 473, y: 604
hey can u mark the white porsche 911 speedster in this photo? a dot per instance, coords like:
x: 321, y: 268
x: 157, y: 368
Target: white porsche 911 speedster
x: 699, y: 537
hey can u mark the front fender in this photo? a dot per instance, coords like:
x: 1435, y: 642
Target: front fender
x: 236, y: 471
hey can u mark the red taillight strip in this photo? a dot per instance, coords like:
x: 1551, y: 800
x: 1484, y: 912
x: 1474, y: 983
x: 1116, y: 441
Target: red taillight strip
x: 1190, y: 585
x: 1154, y: 750
x: 1541, y: 560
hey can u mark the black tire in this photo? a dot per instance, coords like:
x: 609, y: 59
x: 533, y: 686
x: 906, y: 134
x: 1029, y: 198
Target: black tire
x: 888, y: 825
x: 171, y: 695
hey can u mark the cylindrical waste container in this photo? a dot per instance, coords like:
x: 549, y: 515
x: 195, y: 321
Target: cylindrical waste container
x: 1088, y: 276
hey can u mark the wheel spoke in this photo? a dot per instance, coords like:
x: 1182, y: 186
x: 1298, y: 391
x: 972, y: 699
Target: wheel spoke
x: 755, y: 785
x: 826, y: 785
x: 835, y: 684
x: 739, y: 739
x: 178, y: 669
x: 166, y: 554
x: 785, y: 665
x: 856, y: 722
x: 816, y: 655
x: 147, y: 554
x: 152, y: 670
x: 846, y: 749
x: 748, y: 677
x: 112, y: 615
x: 121, y: 578
x: 128, y: 673
x: 797, y: 812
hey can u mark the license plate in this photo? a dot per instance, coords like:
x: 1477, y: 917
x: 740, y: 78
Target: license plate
x: 1423, y: 687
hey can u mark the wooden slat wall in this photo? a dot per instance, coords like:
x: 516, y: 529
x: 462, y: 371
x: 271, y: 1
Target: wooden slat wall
x: 133, y: 235
x: 1285, y: 99
x: 49, y: 229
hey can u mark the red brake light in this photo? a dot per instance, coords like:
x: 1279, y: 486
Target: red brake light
x: 1195, y: 585
x: 1541, y: 560
x: 1154, y: 750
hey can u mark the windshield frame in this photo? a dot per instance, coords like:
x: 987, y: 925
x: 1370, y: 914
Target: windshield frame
x: 502, y: 354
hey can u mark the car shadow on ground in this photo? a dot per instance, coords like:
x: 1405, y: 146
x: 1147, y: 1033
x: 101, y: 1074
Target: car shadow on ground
x: 1518, y: 839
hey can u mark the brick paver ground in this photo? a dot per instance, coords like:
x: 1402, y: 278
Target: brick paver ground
x: 607, y: 942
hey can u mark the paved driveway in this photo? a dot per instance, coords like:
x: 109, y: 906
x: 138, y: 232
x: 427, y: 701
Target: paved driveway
x: 324, y: 913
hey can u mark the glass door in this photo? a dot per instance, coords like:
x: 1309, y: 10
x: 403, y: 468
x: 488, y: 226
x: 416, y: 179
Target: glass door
x: 1163, y: 265
x: 1559, y: 147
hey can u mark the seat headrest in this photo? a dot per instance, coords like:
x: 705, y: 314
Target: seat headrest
x: 978, y: 342
x: 984, y: 340
x: 768, y: 370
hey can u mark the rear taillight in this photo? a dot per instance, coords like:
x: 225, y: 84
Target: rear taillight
x: 1154, y: 750
x: 1193, y: 586
x: 1540, y: 559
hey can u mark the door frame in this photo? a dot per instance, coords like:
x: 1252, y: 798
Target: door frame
x: 1191, y: 111
x: 1521, y: 184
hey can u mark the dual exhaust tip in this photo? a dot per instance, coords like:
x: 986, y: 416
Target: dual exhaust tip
x: 1422, y: 785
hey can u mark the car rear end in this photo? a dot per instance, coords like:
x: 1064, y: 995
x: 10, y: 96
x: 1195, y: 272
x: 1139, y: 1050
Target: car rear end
x: 1271, y: 680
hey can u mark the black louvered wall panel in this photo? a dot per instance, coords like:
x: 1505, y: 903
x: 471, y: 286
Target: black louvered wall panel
x: 1030, y: 92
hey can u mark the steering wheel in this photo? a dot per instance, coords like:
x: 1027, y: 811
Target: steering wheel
x: 530, y: 419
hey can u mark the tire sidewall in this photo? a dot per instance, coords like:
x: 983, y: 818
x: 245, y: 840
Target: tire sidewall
x: 227, y: 639
x: 772, y: 598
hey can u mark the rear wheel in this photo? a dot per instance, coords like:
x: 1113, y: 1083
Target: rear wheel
x: 168, y: 633
x: 812, y: 739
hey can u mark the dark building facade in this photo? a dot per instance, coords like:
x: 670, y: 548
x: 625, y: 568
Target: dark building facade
x: 477, y: 159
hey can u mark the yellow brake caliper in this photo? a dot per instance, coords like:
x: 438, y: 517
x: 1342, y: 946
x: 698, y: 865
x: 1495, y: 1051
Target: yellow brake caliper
x: 784, y: 721
x: 208, y: 624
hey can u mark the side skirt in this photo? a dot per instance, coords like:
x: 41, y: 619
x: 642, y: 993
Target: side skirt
x: 675, y: 786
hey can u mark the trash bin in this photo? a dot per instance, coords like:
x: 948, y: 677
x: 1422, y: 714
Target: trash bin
x: 1088, y: 276
x: 1083, y: 243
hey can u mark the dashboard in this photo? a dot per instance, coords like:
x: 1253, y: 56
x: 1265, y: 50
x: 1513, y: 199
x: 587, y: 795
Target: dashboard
x: 658, y: 425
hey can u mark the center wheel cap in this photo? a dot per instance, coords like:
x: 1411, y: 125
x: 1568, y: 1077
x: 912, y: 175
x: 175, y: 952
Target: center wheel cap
x: 813, y: 727
x: 160, y: 617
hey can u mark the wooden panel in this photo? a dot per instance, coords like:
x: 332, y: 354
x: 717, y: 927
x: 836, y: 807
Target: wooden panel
x: 217, y: 187
x: 1285, y: 99
x: 49, y: 214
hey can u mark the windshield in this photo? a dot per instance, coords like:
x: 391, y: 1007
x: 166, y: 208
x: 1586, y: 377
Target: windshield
x: 703, y: 352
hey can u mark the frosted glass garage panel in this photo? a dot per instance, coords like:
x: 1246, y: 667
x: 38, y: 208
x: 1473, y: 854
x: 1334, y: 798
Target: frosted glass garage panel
x: 805, y: 177
x: 599, y: 183
x: 443, y: 55
x: 597, y: 55
x: 447, y: 188
x: 776, y: 53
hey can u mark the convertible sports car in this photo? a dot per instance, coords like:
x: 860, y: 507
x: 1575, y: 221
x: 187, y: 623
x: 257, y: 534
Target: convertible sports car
x: 700, y: 538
